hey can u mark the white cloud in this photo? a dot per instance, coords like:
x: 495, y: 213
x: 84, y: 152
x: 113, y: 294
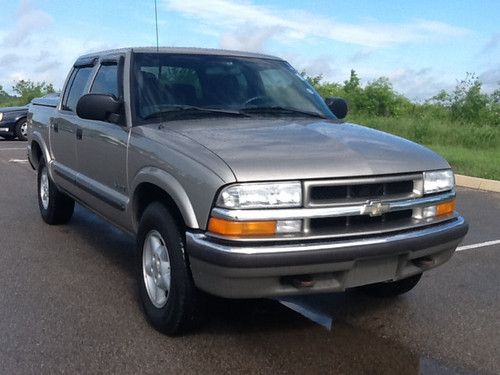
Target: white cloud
x: 248, y: 38
x: 490, y: 80
x: 493, y: 44
x: 420, y: 84
x: 28, y: 20
x: 32, y: 49
x: 229, y: 17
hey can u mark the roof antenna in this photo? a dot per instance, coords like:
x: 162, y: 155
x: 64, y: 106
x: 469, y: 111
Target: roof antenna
x: 156, y: 23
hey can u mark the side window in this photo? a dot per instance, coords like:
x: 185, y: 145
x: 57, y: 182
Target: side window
x: 77, y: 88
x: 68, y: 86
x: 106, y: 81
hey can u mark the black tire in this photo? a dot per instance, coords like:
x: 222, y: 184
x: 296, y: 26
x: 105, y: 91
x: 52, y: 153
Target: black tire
x: 60, y: 207
x: 392, y: 288
x: 8, y: 137
x: 21, y: 124
x: 182, y: 309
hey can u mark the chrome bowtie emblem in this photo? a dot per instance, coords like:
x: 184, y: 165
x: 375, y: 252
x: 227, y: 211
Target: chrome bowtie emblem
x: 375, y: 208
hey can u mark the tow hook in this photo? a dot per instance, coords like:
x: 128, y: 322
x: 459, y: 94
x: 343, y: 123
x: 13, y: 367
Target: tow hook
x: 299, y: 281
x: 425, y: 262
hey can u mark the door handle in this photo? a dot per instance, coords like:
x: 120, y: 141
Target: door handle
x: 55, y: 126
x: 79, y: 133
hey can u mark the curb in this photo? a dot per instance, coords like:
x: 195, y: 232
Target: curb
x: 477, y: 183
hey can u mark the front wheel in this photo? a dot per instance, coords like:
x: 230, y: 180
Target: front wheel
x: 168, y: 294
x: 391, y: 288
x: 22, y: 130
x: 55, y: 207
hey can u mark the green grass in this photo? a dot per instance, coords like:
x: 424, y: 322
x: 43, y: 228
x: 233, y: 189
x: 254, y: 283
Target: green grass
x: 470, y: 149
x: 478, y: 163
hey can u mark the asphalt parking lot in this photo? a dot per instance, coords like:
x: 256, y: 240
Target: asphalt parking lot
x: 68, y: 303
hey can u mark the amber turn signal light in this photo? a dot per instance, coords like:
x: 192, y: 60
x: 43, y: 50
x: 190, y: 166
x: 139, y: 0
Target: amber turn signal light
x: 241, y: 228
x: 445, y: 208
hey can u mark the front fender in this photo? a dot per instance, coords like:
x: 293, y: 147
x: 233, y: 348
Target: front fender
x: 20, y: 116
x: 172, y: 187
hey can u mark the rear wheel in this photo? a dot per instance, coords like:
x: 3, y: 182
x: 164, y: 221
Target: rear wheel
x: 391, y: 288
x: 55, y: 207
x: 22, y: 130
x: 168, y: 294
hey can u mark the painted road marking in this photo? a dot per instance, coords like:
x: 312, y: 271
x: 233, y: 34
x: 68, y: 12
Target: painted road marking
x: 18, y: 160
x: 478, y: 245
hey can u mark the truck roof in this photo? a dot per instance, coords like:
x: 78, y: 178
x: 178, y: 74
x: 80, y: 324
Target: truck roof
x: 181, y: 50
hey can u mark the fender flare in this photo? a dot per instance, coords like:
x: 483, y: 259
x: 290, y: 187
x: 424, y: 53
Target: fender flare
x: 171, y: 186
x: 36, y: 137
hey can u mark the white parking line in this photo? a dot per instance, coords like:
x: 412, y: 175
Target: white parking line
x: 18, y: 160
x: 477, y: 245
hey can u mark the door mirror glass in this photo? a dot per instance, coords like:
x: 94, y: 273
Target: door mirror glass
x: 338, y: 106
x: 101, y: 107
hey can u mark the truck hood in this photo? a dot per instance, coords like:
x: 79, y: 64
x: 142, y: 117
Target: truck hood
x: 288, y: 149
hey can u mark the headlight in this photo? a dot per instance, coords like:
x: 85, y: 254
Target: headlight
x: 437, y: 181
x: 1, y: 116
x: 261, y: 195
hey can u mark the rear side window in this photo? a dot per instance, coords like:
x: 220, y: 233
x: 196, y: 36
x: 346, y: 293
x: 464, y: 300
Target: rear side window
x: 77, y: 88
x: 106, y: 81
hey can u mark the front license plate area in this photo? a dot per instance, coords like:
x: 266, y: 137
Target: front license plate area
x: 372, y: 271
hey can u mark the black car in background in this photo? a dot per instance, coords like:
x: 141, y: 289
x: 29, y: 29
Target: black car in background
x: 13, y: 122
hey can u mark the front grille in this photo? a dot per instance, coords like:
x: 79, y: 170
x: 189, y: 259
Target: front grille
x: 360, y: 191
x: 325, y: 193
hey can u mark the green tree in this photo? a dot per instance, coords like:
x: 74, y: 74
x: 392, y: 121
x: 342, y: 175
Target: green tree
x: 379, y: 97
x: 28, y: 90
x: 353, y: 85
x: 467, y: 101
x: 354, y: 93
x: 3, y: 94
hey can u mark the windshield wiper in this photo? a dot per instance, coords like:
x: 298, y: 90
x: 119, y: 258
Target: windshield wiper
x: 189, y: 109
x: 278, y: 109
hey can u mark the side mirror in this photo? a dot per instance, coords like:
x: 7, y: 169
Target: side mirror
x: 101, y: 107
x: 338, y: 106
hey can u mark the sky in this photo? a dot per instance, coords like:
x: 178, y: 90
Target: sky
x: 421, y: 46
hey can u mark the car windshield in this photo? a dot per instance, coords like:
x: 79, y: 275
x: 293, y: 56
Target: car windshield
x: 212, y: 85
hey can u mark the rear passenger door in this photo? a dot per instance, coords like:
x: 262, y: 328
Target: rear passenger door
x: 65, y: 123
x: 101, y: 147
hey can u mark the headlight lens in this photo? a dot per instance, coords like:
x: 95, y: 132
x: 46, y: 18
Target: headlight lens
x: 1, y: 116
x: 437, y: 181
x: 261, y: 195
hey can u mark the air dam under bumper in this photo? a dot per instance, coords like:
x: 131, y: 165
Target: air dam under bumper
x: 252, y: 271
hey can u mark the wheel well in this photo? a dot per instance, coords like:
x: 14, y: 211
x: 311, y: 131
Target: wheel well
x: 21, y: 119
x: 36, y: 154
x: 147, y: 193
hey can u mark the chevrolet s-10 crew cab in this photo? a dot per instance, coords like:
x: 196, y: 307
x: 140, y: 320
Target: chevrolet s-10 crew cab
x: 238, y: 180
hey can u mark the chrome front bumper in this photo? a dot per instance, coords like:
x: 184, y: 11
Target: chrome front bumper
x: 251, y: 270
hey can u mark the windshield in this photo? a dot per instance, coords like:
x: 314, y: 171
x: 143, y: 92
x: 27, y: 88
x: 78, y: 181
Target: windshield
x: 220, y: 85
